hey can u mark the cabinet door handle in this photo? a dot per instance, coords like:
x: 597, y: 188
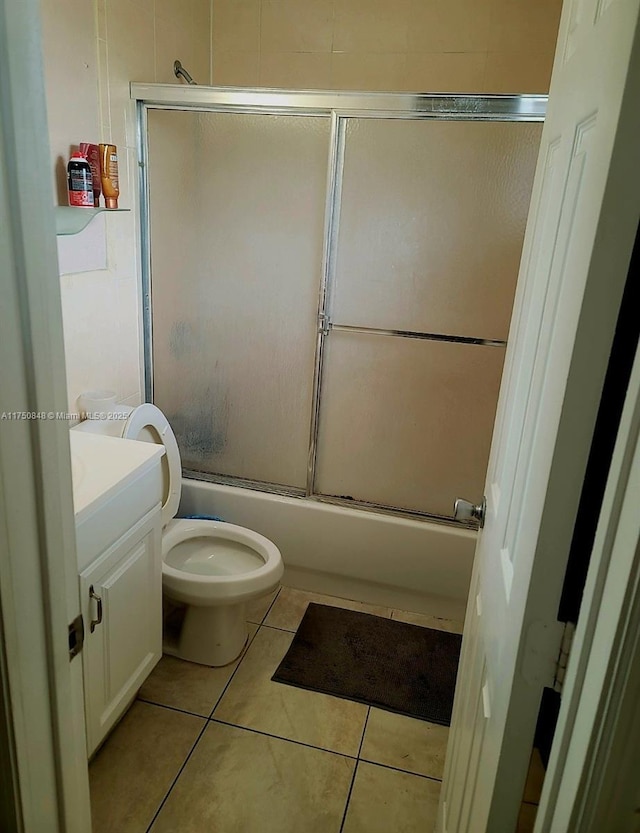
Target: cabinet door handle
x: 94, y: 622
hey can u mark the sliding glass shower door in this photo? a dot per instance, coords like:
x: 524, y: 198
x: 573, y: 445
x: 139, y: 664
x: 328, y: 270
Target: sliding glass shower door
x: 237, y: 207
x: 331, y: 294
x: 425, y: 257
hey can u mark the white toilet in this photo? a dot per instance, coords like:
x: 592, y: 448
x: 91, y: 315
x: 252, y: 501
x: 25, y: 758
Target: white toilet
x: 212, y: 567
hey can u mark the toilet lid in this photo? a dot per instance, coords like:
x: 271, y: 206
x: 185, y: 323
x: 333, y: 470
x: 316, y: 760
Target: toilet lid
x: 148, y: 423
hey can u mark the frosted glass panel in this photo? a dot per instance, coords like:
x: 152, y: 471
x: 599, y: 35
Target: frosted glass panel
x: 237, y: 213
x: 431, y: 224
x: 406, y: 422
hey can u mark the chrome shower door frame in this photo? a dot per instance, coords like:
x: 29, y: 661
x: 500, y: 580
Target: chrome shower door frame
x: 339, y: 107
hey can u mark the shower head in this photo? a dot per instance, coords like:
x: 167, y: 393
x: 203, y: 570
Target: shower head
x: 179, y: 71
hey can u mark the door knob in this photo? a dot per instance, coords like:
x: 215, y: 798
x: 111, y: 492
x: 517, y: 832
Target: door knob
x: 464, y: 510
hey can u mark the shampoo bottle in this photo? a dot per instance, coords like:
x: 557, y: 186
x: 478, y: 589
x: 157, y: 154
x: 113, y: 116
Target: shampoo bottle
x: 92, y: 155
x: 80, y: 182
x: 109, y: 174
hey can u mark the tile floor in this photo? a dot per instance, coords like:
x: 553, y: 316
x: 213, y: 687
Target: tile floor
x: 226, y: 749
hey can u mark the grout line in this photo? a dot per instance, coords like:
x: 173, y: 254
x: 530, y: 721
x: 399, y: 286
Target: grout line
x: 235, y: 671
x: 280, y: 737
x: 155, y: 43
x: 275, y: 628
x: 259, y: 83
x: 398, y: 769
x: 268, y: 611
x: 346, y: 804
x: 211, y: 3
x: 364, y: 731
x: 333, y: 40
x: 333, y: 28
x: 173, y: 783
x: 207, y: 715
x: 355, y: 770
x: 171, y: 708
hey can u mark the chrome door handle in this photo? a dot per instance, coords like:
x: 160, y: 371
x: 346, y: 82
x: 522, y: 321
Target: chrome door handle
x: 95, y: 622
x: 464, y: 510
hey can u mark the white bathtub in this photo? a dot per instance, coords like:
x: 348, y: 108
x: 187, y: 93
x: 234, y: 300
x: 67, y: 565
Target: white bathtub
x: 371, y: 557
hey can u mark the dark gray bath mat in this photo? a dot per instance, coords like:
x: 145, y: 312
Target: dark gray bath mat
x: 381, y: 662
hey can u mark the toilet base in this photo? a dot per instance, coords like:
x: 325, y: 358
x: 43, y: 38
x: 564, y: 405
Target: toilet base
x: 212, y: 636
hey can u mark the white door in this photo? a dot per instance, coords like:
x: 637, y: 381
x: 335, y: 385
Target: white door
x: 43, y: 767
x: 580, y: 233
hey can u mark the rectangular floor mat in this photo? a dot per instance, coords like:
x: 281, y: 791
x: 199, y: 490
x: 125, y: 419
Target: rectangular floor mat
x: 395, y: 666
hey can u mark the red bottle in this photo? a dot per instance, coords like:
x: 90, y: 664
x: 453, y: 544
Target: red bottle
x: 80, y: 181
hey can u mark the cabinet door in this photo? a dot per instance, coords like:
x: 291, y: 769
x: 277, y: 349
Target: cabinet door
x: 121, y: 594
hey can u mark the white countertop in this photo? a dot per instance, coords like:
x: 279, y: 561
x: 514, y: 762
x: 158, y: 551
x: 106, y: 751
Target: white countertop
x: 101, y: 465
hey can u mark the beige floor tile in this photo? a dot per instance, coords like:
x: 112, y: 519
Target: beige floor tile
x: 405, y: 743
x: 527, y: 818
x: 242, y: 782
x: 535, y: 778
x: 384, y: 800
x: 132, y: 772
x: 254, y: 701
x: 428, y: 621
x: 291, y: 604
x: 257, y: 609
x: 187, y: 685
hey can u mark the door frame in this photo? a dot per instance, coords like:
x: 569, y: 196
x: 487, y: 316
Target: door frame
x: 43, y: 762
x: 591, y: 780
x: 46, y: 784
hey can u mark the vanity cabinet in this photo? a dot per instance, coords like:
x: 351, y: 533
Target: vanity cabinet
x: 118, y: 492
x: 122, y: 610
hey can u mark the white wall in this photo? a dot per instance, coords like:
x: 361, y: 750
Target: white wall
x: 92, y: 50
x: 453, y: 46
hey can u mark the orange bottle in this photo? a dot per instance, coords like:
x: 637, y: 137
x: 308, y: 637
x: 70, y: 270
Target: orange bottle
x: 109, y: 174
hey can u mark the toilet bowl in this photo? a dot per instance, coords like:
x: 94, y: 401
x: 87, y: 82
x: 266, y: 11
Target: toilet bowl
x: 210, y: 567
x: 214, y: 568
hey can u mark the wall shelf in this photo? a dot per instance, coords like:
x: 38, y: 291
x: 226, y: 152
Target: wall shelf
x: 72, y: 219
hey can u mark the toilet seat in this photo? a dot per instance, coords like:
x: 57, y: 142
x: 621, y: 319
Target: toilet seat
x: 202, y: 588
x: 148, y: 423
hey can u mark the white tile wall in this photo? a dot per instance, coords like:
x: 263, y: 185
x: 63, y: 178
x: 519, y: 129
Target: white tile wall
x: 92, y: 50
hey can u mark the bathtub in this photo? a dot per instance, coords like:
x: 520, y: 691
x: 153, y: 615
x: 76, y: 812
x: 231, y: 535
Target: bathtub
x: 367, y: 556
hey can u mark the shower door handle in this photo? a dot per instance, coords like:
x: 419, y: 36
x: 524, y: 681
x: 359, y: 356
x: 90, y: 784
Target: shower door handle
x: 464, y: 510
